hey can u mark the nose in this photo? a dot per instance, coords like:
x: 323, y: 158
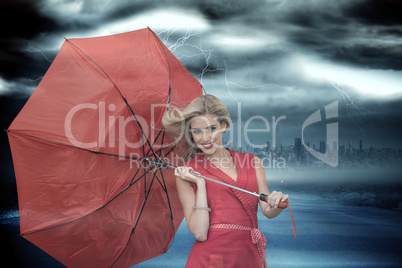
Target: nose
x: 206, y: 136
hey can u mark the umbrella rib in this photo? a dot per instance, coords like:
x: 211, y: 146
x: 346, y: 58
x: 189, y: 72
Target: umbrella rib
x: 172, y: 145
x: 157, y: 136
x: 96, y: 152
x: 160, y: 183
x: 76, y: 147
x: 171, y: 149
x: 103, y: 206
x: 163, y: 179
x: 135, y: 175
x: 165, y: 187
x: 87, y: 150
x: 170, y: 208
x: 167, y: 194
x: 168, y: 64
x: 203, y: 89
x: 159, y: 152
x: 138, y: 219
x: 90, y: 151
x: 145, y: 182
x: 121, y: 94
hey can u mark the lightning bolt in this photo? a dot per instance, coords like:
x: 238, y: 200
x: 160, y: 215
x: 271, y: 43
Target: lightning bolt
x: 246, y: 81
x: 207, y: 55
x: 250, y: 74
x: 351, y: 104
x: 32, y: 49
x: 186, y: 59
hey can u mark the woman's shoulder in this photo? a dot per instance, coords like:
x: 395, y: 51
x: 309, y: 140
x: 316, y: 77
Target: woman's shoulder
x: 243, y: 155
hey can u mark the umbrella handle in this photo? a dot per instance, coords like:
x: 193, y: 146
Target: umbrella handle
x: 264, y: 197
x: 281, y: 204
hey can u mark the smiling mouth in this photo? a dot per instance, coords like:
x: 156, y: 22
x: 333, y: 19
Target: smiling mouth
x: 208, y: 145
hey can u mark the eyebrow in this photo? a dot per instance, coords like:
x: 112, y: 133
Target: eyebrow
x: 206, y: 127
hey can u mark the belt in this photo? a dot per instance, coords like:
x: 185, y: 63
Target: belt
x: 257, y: 238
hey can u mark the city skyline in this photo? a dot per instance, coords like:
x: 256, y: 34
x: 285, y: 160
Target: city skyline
x: 296, y: 156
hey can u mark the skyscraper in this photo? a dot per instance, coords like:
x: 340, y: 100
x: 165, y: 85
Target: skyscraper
x: 298, y: 148
x: 323, y: 147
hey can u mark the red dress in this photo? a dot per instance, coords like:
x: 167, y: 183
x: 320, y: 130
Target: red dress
x: 232, y: 236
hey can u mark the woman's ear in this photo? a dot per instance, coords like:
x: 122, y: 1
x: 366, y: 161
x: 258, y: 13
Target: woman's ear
x: 225, y: 126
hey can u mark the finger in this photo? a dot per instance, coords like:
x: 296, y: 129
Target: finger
x: 285, y: 198
x: 271, y: 198
x: 277, y: 200
x: 186, y: 172
x: 181, y: 172
x: 190, y: 173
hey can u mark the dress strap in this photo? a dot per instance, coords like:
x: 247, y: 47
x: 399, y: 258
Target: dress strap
x: 257, y: 238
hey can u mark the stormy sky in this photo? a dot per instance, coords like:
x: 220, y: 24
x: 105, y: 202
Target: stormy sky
x: 268, y: 58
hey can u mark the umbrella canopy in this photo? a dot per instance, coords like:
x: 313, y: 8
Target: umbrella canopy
x: 84, y: 197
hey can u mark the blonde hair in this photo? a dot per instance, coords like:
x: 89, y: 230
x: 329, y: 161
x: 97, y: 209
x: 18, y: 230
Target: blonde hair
x: 177, y: 122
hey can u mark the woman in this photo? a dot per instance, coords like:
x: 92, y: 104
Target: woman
x: 223, y: 220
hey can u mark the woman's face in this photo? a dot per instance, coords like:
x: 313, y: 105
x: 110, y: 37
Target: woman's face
x: 207, y: 133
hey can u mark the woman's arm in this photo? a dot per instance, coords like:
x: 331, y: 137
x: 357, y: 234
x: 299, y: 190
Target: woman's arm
x: 269, y: 209
x: 197, y: 219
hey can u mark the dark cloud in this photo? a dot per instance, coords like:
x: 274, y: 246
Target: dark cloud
x: 313, y: 39
x: 21, y: 19
x: 392, y: 32
x: 220, y: 10
x: 325, y: 30
x: 20, y: 22
x: 9, y: 108
x: 319, y: 31
x: 376, y: 12
x: 331, y: 34
x: 128, y: 10
x: 336, y: 33
x: 378, y: 124
x: 367, y: 57
x: 314, y: 20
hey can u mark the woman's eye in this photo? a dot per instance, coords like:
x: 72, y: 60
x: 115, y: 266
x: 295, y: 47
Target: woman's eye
x: 196, y: 131
x: 211, y: 128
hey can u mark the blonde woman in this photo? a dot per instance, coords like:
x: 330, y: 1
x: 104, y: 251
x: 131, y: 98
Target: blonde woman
x: 223, y: 220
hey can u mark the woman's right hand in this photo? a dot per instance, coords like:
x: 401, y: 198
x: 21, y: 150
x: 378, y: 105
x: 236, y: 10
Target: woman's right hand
x: 184, y: 174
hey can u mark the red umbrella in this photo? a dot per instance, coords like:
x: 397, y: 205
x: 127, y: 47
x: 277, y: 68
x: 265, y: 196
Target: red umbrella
x: 84, y: 195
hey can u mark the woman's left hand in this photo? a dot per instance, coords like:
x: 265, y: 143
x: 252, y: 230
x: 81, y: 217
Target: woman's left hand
x: 275, y: 197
